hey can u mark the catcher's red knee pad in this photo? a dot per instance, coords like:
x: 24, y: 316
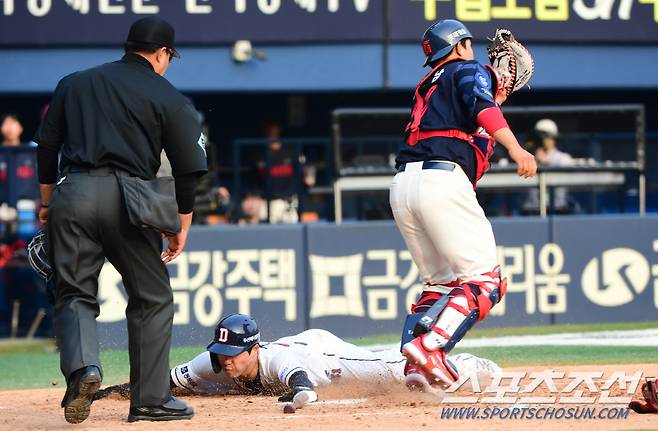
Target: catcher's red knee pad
x: 467, y: 305
x: 484, y: 291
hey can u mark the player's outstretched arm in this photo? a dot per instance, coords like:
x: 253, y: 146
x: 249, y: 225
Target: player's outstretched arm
x: 493, y: 121
x: 527, y: 166
x: 301, y: 392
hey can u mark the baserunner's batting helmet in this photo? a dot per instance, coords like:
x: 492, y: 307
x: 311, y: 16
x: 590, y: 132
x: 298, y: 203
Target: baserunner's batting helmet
x: 441, y: 37
x: 234, y: 334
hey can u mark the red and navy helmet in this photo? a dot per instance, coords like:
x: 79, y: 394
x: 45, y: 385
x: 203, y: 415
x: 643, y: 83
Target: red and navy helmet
x: 234, y: 334
x: 441, y: 37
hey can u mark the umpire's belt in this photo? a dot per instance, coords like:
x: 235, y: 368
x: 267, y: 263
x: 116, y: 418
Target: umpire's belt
x: 444, y: 166
x: 99, y: 172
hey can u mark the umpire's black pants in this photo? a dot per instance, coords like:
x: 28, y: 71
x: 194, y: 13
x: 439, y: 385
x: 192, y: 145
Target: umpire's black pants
x: 87, y: 222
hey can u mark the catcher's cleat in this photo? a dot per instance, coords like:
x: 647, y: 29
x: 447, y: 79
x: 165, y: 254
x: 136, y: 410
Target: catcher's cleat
x: 432, y: 362
x: 417, y: 381
x: 650, y: 403
x: 84, y: 383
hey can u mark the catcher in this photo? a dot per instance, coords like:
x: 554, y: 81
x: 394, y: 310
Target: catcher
x: 238, y: 363
x: 450, y: 136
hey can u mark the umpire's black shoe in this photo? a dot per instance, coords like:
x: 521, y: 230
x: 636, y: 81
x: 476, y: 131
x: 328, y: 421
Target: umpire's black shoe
x: 172, y: 410
x: 83, y: 384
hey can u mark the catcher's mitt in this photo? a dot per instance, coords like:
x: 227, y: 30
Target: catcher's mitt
x: 511, y: 60
x: 650, y: 402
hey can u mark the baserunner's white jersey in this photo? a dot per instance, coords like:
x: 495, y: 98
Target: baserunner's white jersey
x: 323, y: 356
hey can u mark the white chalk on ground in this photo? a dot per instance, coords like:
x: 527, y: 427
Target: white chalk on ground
x: 349, y: 401
x: 636, y: 337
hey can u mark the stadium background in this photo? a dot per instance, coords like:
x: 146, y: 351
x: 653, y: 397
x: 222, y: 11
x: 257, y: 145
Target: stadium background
x: 312, y: 57
x: 586, y: 275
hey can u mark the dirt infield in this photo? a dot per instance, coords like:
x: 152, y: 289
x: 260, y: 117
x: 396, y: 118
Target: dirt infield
x: 343, y: 407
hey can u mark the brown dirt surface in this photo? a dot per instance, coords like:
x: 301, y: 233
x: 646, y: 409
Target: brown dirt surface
x: 352, y: 407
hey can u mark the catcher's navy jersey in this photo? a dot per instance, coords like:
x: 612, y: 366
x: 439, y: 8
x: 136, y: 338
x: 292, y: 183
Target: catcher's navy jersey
x: 455, y: 93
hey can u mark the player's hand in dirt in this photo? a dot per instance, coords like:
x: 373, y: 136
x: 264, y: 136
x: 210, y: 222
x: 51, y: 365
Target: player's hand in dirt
x: 527, y: 166
x: 300, y: 397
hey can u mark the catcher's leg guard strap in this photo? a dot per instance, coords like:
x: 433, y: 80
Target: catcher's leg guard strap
x: 425, y: 301
x: 461, y: 330
x: 419, y: 323
x: 450, y: 320
x: 467, y: 305
x: 408, y: 329
x: 484, y: 291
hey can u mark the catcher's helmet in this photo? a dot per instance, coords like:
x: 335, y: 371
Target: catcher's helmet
x: 441, y: 37
x: 37, y: 255
x: 234, y: 334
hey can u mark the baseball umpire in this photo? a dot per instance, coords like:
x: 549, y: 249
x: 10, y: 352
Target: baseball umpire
x: 433, y: 199
x: 109, y: 125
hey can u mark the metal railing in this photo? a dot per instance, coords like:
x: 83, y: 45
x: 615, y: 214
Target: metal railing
x: 599, y: 175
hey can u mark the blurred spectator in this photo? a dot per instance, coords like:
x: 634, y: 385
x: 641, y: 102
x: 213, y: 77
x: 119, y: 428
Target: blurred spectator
x: 542, y: 142
x: 283, y: 197
x: 19, y: 191
x: 11, y: 129
x: 547, y: 153
x: 252, y: 210
x: 18, y: 176
x: 284, y: 200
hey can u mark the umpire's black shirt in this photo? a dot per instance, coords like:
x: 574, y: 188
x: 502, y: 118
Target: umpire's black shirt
x: 120, y: 115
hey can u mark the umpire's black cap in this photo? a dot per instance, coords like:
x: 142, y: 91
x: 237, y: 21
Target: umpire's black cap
x: 234, y: 334
x: 153, y: 31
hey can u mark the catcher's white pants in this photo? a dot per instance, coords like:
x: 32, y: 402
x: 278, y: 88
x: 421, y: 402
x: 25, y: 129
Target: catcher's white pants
x: 443, y: 224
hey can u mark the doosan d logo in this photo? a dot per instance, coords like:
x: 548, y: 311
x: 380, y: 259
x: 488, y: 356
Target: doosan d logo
x: 616, y: 278
x: 223, y: 335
